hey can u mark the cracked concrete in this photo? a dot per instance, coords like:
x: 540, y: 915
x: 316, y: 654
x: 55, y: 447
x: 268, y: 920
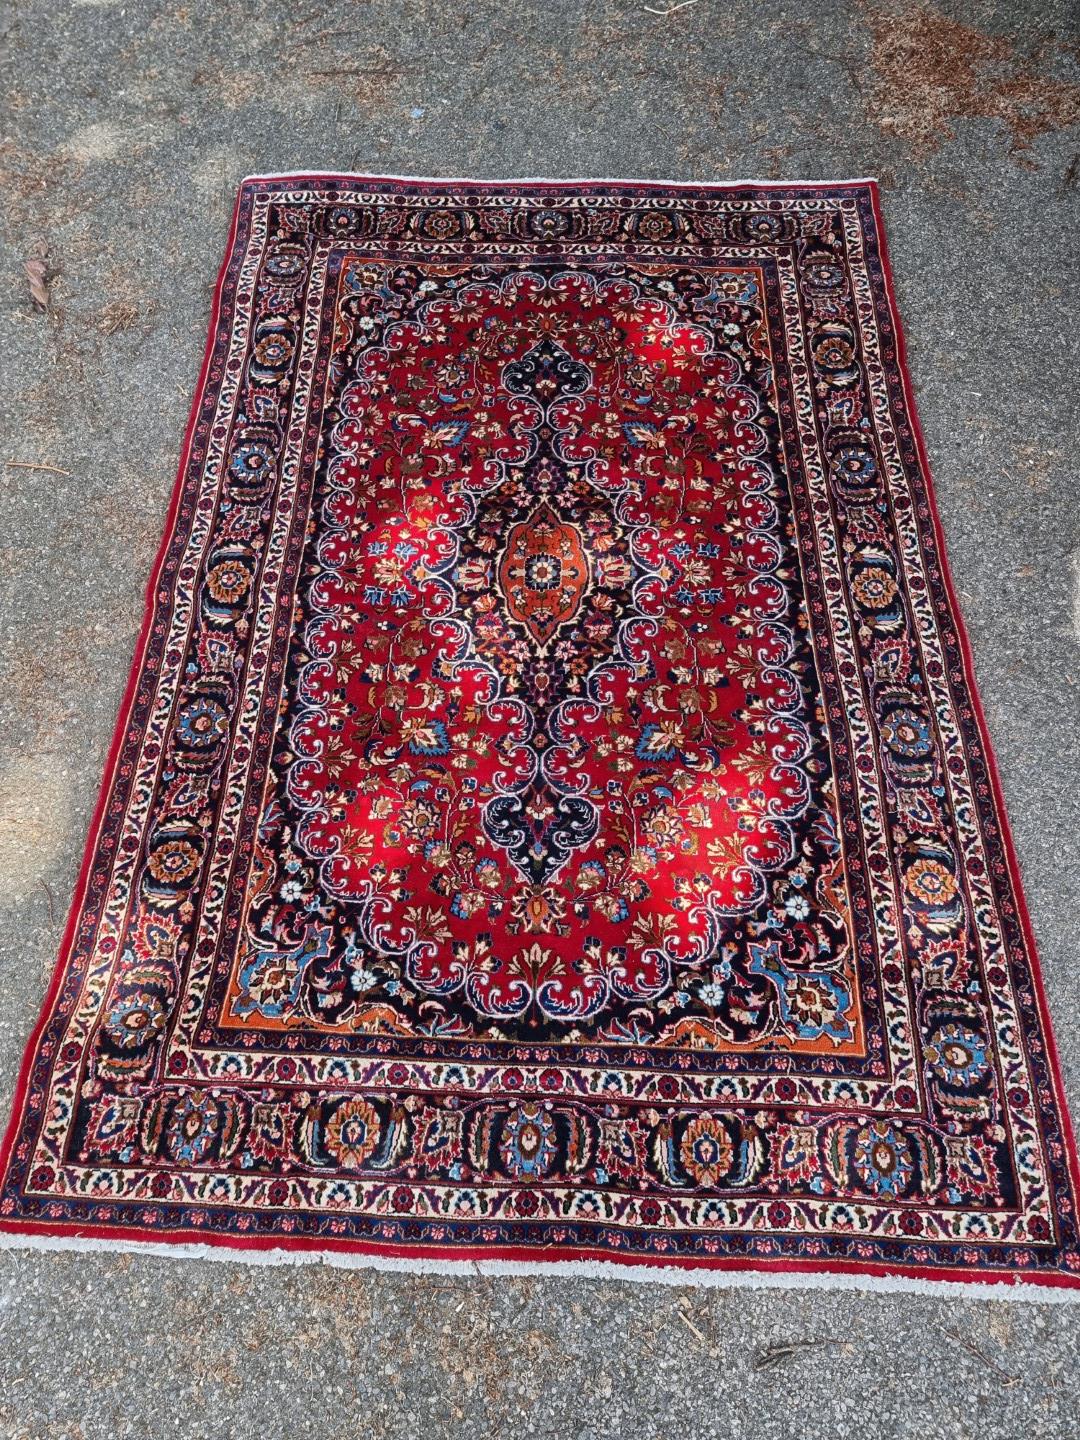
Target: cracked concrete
x: 127, y: 128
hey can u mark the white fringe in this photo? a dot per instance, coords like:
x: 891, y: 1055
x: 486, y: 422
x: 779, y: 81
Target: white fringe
x: 554, y: 180
x: 977, y: 1289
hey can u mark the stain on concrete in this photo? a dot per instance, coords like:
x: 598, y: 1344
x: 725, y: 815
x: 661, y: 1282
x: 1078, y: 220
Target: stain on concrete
x: 35, y: 817
x: 932, y: 71
x: 99, y: 142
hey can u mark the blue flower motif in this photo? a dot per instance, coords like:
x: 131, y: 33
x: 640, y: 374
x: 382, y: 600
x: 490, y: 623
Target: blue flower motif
x: 647, y: 750
x: 957, y: 1054
x: 882, y: 1159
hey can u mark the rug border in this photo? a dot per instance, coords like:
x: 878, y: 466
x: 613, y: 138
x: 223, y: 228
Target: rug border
x: 505, y: 1260
x: 1068, y: 1131
x: 123, y: 716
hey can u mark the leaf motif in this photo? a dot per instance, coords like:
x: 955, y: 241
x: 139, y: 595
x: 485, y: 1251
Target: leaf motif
x: 450, y: 432
x: 638, y: 433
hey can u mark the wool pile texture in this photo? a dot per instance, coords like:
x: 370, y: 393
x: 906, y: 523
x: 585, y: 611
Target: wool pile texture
x: 551, y: 818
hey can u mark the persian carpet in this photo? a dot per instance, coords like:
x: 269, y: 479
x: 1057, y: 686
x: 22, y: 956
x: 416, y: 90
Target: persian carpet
x: 551, y: 818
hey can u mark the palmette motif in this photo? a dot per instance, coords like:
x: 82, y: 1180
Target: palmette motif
x: 552, y: 814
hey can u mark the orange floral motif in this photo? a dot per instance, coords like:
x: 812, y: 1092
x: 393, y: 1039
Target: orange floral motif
x: 929, y: 881
x: 706, y: 1150
x: 543, y: 573
x: 352, y: 1133
x: 173, y: 861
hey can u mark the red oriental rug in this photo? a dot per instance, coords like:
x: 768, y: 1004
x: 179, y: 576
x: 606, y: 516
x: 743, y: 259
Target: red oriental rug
x: 551, y: 819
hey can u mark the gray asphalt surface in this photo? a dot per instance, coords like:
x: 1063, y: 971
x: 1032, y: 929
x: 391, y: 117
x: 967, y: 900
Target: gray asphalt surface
x: 127, y: 127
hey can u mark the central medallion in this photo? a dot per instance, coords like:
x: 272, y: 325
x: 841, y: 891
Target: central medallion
x: 556, y: 611
x: 543, y: 573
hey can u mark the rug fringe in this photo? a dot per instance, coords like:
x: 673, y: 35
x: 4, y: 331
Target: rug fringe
x: 554, y: 180
x: 1003, y: 1291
